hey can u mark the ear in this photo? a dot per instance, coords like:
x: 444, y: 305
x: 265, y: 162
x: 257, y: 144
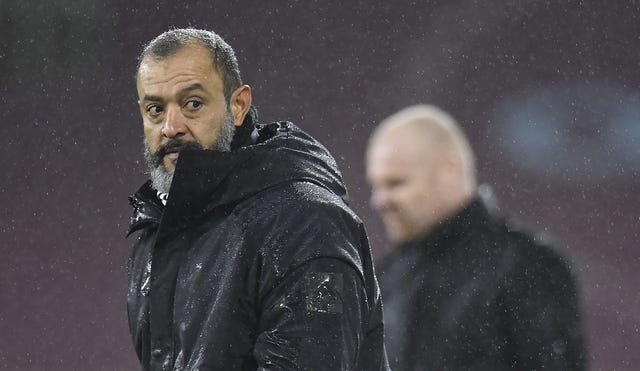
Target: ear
x: 240, y: 103
x: 448, y: 168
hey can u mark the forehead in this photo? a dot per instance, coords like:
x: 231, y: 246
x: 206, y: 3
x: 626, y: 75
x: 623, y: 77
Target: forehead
x: 395, y: 145
x: 394, y: 153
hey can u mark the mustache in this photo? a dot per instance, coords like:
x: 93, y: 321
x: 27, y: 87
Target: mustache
x: 173, y: 145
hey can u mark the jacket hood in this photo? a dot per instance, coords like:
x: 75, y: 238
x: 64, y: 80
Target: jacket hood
x: 273, y: 154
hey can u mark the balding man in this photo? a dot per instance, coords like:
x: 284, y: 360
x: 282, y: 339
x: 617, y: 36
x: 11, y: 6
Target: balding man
x: 462, y: 289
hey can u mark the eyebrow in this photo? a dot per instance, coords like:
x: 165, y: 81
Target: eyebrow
x: 181, y: 93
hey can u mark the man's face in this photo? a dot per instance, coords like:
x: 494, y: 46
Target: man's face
x: 182, y: 105
x: 404, y: 185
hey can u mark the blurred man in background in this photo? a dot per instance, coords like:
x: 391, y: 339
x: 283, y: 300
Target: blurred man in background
x: 247, y: 256
x: 462, y: 289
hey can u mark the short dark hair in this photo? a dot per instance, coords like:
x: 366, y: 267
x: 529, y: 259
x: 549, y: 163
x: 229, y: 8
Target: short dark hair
x: 222, y: 54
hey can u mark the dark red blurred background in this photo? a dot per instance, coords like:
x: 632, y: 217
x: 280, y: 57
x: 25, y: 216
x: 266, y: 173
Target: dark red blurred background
x: 548, y: 93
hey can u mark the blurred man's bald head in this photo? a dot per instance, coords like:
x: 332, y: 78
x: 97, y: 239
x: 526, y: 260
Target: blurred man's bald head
x: 421, y: 170
x: 434, y: 131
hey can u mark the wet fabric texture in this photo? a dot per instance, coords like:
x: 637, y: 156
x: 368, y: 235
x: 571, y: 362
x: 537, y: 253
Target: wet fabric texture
x: 475, y: 294
x: 256, y: 262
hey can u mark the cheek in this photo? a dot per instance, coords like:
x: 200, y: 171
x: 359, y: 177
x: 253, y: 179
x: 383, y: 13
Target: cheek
x: 206, y: 133
x: 152, y: 137
x: 415, y: 201
x: 148, y: 131
x: 410, y: 196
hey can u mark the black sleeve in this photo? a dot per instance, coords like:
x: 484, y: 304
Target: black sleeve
x: 542, y: 306
x: 312, y: 320
x: 317, y: 303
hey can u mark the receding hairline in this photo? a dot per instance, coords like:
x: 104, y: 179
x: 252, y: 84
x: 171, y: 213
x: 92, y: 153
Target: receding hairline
x: 150, y: 54
x: 159, y: 58
x: 222, y: 55
x: 419, y: 118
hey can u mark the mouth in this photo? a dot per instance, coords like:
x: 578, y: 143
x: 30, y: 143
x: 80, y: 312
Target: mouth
x: 172, y: 150
x: 172, y: 153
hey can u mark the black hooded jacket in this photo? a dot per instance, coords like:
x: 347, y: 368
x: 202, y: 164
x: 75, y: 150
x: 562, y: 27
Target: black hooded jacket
x: 476, y: 294
x: 256, y: 262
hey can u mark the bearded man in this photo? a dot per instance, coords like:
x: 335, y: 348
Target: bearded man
x: 247, y: 255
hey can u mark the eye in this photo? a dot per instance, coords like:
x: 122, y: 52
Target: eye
x: 193, y: 105
x: 395, y: 183
x: 154, y: 110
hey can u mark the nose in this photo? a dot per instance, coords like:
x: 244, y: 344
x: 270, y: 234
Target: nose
x: 174, y: 124
x: 379, y: 199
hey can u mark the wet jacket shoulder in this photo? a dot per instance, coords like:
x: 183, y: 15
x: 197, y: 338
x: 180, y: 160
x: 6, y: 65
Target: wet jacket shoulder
x: 475, y: 293
x: 256, y: 262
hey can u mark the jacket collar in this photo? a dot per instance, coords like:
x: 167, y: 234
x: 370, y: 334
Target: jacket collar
x: 205, y: 180
x: 480, y: 210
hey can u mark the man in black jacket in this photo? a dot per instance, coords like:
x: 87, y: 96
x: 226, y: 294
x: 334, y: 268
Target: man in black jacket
x: 462, y: 289
x: 247, y: 255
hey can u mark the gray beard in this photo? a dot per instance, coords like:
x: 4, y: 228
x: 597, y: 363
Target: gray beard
x: 161, y: 177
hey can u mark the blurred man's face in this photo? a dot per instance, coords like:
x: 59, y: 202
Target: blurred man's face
x: 404, y: 186
x: 182, y: 105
